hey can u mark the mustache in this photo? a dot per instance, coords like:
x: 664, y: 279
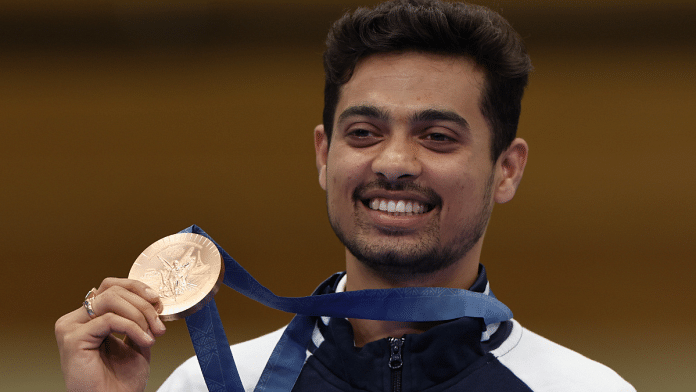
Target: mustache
x: 382, y: 184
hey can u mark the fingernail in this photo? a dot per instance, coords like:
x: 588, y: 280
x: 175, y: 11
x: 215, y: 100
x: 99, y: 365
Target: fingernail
x: 148, y: 336
x: 160, y: 324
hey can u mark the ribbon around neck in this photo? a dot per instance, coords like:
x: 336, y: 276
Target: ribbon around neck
x: 400, y: 304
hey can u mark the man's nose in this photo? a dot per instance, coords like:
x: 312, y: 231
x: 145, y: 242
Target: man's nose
x: 397, y: 160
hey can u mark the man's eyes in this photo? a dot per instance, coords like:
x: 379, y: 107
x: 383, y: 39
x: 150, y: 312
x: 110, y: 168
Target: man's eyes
x: 361, y: 137
x: 360, y: 133
x: 434, y: 138
x: 438, y: 137
x: 443, y: 142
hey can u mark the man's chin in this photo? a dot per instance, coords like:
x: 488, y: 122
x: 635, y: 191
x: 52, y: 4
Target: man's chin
x: 397, y: 243
x: 406, y: 259
x: 402, y: 266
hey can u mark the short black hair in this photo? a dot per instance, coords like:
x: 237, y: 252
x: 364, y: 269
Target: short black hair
x: 434, y: 26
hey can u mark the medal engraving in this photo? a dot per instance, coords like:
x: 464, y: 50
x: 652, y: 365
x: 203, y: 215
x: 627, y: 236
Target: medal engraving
x: 185, y: 269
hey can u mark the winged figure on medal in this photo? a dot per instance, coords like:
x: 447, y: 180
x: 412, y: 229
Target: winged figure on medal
x: 178, y: 271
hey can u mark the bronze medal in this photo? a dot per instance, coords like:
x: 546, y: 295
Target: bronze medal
x: 185, y: 269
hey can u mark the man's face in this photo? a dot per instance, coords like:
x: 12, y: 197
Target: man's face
x: 408, y: 174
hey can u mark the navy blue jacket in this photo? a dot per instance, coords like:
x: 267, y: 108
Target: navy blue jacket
x: 461, y: 355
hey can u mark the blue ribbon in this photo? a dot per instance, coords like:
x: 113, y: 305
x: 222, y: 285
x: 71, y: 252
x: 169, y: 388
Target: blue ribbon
x: 286, y: 361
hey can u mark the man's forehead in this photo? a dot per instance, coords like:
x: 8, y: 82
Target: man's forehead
x: 411, y: 82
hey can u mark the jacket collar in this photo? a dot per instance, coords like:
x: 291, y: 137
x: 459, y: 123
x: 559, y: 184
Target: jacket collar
x: 430, y: 358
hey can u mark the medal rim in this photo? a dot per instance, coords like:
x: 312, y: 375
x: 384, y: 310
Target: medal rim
x: 203, y: 301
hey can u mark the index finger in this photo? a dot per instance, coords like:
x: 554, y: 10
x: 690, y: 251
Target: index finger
x: 134, y: 286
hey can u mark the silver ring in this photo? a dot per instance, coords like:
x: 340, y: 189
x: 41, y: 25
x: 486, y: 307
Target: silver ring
x: 89, y: 299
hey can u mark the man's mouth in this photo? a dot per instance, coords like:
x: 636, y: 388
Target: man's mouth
x: 394, y: 200
x: 397, y: 207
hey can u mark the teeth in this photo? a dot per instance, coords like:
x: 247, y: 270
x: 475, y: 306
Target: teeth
x: 400, y: 206
x: 397, y: 207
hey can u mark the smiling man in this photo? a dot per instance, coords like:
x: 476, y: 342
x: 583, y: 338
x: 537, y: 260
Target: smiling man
x: 418, y: 142
x: 409, y: 174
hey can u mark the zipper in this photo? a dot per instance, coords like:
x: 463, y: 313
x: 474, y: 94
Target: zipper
x: 396, y: 362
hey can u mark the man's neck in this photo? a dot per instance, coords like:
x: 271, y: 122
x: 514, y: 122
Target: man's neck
x: 460, y: 275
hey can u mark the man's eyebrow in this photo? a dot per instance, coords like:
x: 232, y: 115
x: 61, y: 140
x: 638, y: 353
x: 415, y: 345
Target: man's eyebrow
x: 365, y: 111
x: 430, y: 115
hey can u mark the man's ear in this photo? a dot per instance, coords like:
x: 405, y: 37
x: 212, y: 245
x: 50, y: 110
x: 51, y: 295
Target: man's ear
x: 509, y: 168
x: 321, y: 148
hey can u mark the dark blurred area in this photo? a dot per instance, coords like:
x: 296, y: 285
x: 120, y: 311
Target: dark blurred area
x: 126, y: 121
x: 132, y: 25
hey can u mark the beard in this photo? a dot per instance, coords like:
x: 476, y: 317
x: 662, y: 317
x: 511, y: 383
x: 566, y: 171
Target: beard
x: 396, y: 258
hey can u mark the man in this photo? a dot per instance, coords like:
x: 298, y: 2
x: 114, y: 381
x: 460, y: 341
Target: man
x: 422, y: 101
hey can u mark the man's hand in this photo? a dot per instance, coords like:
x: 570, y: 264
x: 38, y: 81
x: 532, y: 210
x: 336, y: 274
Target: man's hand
x: 91, y: 357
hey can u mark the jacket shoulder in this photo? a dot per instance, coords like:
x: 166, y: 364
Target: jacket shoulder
x: 250, y: 357
x: 546, y: 366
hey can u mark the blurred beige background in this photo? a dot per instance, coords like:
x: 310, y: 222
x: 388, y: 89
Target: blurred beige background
x: 126, y: 121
